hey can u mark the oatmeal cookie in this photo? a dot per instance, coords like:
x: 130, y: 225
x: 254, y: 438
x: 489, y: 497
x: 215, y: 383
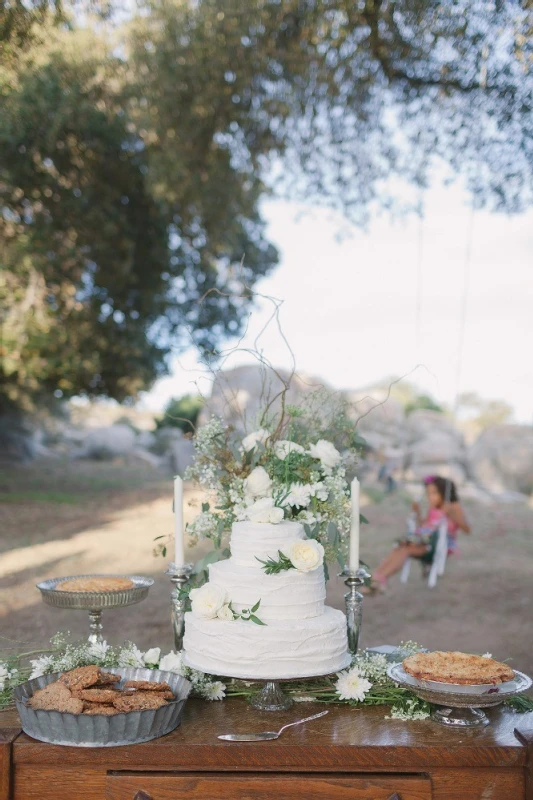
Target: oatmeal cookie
x: 138, y: 701
x: 107, y: 678
x: 100, y: 696
x: 147, y: 686
x: 55, y: 697
x: 81, y: 677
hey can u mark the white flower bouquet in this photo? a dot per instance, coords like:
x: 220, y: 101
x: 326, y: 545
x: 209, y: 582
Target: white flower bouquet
x: 292, y: 468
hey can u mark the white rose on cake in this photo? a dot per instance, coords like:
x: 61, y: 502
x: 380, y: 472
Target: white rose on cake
x: 326, y: 452
x: 255, y: 438
x: 207, y: 601
x: 257, y: 484
x: 264, y: 510
x: 306, y: 554
x: 285, y: 446
x: 225, y: 613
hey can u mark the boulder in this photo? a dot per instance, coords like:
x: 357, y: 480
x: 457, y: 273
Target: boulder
x: 147, y: 457
x: 436, y: 447
x: 501, y: 459
x: 109, y: 442
x: 181, y: 455
x: 17, y: 446
x: 146, y: 440
x: 449, y: 469
x: 423, y: 422
x: 239, y: 395
x: 380, y: 420
x: 165, y: 438
x: 20, y: 440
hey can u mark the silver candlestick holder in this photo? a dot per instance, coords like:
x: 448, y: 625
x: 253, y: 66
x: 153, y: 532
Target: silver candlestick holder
x: 179, y: 576
x: 354, y: 604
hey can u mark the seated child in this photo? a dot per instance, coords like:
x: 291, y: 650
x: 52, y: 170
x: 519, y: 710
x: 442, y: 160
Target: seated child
x: 421, y: 540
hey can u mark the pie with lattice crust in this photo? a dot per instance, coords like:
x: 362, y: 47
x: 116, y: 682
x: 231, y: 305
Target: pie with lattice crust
x: 454, y: 667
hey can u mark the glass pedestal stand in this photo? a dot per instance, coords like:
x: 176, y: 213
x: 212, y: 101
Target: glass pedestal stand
x: 95, y: 602
x: 271, y: 698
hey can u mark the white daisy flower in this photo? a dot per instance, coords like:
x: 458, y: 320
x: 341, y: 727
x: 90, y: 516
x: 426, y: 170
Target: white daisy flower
x: 40, y: 666
x: 131, y: 657
x: 214, y: 691
x: 299, y: 495
x: 96, y: 649
x: 351, y: 686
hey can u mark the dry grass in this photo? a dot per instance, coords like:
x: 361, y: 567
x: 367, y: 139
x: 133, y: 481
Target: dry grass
x: 64, y: 518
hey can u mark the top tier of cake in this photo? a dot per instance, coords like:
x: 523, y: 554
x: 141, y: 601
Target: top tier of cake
x: 253, y: 540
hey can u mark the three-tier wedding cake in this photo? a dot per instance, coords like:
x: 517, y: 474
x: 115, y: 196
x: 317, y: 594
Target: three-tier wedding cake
x: 262, y: 613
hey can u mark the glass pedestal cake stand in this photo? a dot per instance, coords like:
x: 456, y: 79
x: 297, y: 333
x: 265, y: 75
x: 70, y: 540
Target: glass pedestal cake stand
x: 460, y: 706
x: 272, y: 697
x: 94, y: 602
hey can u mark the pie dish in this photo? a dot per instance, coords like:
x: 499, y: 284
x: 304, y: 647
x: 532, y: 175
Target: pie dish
x: 73, y: 717
x: 457, y: 668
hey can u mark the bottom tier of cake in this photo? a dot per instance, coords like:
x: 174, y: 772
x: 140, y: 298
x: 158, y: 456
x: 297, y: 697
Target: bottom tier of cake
x: 281, y: 649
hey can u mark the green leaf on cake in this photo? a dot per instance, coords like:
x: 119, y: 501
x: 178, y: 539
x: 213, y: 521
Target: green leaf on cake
x: 273, y: 567
x: 257, y: 621
x: 254, y: 608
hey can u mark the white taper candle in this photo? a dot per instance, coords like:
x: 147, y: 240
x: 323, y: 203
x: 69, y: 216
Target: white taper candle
x: 179, y: 543
x: 354, y: 530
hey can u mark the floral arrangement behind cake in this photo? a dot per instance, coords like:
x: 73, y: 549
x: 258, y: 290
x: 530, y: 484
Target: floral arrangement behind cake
x: 294, y: 468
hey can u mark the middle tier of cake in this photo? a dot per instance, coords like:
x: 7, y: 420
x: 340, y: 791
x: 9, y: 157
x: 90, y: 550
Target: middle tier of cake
x: 288, y: 595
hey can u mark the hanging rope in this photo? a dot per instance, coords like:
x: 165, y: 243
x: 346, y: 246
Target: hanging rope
x: 419, y: 287
x: 464, y: 308
x: 468, y: 260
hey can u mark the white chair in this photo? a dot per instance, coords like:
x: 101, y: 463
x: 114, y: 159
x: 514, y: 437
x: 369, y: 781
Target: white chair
x: 438, y: 564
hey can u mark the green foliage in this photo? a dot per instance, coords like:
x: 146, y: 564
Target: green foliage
x: 422, y: 401
x: 295, y: 468
x: 104, y: 266
x: 484, y: 413
x: 182, y: 412
x: 133, y: 159
x: 274, y: 566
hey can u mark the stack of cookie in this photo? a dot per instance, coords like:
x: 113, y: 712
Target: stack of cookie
x: 89, y: 690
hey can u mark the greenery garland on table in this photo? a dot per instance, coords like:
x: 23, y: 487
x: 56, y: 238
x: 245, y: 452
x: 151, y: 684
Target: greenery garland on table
x: 365, y: 683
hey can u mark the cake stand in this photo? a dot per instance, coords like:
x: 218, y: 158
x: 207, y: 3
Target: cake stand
x: 272, y: 697
x: 95, y: 602
x: 459, y: 706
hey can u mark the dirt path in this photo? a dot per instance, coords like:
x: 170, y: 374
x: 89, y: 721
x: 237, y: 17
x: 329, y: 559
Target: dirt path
x: 483, y: 603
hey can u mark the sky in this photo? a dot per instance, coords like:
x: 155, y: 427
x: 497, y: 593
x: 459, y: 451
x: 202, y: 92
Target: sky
x: 392, y: 300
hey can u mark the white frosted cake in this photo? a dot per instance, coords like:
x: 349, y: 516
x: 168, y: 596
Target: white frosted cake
x: 300, y: 637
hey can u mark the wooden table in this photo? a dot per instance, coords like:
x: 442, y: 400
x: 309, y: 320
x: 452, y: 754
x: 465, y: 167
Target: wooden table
x: 347, y: 755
